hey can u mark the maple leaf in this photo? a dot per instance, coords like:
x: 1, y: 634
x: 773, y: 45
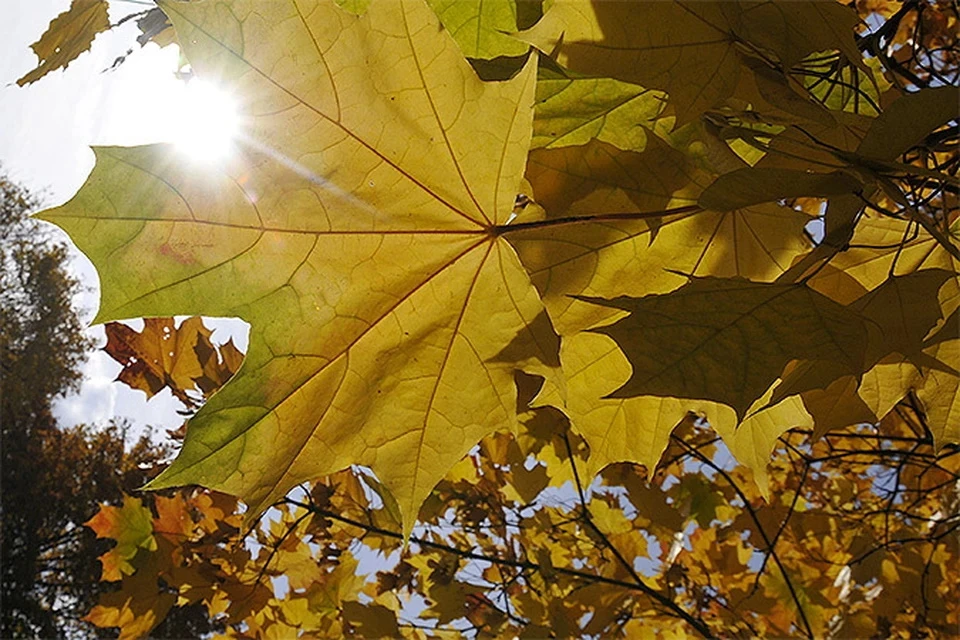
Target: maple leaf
x: 482, y: 27
x: 182, y: 359
x: 136, y: 610
x: 574, y: 111
x: 375, y: 206
x: 219, y: 364
x: 940, y: 394
x: 749, y: 186
x: 140, y: 603
x: 131, y: 526
x: 689, y: 49
x: 637, y: 429
x: 158, y: 356
x: 633, y: 229
x: 905, y: 122
x: 737, y: 351
x: 69, y: 34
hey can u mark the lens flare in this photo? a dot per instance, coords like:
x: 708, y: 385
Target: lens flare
x: 207, y: 122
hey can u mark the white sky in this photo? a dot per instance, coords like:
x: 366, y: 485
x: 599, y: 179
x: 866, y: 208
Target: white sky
x: 47, y: 129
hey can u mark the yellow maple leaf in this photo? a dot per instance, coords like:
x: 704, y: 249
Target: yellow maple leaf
x: 363, y: 217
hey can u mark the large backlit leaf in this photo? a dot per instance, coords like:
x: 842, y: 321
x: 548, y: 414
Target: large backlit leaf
x: 351, y: 232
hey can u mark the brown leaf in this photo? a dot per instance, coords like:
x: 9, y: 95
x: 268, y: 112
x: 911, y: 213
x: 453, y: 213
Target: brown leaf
x: 69, y: 34
x: 160, y: 355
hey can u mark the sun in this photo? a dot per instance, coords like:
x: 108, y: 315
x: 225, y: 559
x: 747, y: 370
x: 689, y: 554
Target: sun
x: 207, y: 123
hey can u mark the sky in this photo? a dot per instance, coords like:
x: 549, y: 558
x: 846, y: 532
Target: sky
x: 48, y: 128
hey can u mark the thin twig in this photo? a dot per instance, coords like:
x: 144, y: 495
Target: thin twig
x: 525, y: 565
x: 763, y: 534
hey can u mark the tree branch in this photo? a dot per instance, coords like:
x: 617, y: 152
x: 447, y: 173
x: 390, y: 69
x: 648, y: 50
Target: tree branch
x: 519, y: 564
x: 763, y: 534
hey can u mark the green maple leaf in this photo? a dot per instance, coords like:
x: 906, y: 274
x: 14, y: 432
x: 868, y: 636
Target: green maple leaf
x: 131, y: 525
x: 356, y: 236
x: 574, y: 111
x: 481, y: 27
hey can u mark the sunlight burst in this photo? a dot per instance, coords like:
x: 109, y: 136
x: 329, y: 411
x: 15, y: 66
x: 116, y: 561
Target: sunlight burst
x: 207, y: 122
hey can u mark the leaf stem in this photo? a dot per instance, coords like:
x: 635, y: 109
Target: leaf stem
x: 504, y: 229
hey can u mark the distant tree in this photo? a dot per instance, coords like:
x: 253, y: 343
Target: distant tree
x: 41, y: 346
x: 40, y: 331
x: 53, y: 478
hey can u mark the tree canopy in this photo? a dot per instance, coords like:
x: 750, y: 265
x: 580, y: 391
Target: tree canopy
x: 630, y: 225
x: 858, y: 539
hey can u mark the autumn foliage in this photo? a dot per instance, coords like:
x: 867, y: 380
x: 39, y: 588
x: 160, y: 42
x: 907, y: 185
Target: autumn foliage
x: 857, y: 540
x: 628, y: 317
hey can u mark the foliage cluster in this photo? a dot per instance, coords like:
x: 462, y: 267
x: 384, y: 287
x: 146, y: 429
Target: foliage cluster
x: 859, y: 540
x: 665, y: 221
